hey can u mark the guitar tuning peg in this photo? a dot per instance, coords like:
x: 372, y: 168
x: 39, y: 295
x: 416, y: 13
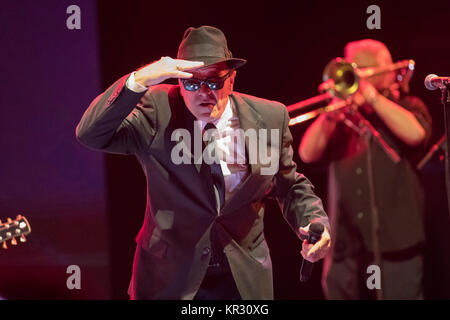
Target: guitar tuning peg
x: 4, y: 245
x: 14, y: 241
x: 22, y: 238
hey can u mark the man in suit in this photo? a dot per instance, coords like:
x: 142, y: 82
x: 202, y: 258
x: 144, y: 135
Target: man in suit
x: 203, y: 235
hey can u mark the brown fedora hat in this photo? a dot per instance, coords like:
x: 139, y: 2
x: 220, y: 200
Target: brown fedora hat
x: 207, y: 44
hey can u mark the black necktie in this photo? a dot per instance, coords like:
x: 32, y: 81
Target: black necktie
x: 214, y: 168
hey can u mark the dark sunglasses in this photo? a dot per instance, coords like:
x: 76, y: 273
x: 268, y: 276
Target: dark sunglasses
x: 193, y: 84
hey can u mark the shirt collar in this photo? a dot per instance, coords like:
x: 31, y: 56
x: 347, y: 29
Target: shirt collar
x: 222, y: 122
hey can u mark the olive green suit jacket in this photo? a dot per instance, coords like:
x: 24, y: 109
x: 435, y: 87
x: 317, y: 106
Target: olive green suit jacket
x: 173, y: 245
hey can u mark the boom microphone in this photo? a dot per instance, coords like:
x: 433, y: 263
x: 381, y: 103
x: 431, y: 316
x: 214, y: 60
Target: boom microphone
x: 433, y: 82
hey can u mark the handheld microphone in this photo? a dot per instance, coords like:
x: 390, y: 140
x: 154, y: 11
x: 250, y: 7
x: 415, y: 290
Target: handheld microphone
x: 315, y: 232
x: 433, y: 82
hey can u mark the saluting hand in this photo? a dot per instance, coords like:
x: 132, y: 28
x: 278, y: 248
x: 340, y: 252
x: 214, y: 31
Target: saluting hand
x: 163, y: 69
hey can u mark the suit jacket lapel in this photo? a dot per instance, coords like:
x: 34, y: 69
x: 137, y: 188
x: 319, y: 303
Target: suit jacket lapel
x: 249, y: 120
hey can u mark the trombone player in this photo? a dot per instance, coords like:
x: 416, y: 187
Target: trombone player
x: 374, y: 195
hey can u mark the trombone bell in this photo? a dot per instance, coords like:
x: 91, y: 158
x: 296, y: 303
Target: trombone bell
x: 340, y: 77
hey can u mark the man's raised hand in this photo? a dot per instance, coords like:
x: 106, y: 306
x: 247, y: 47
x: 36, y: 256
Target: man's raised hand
x: 163, y: 69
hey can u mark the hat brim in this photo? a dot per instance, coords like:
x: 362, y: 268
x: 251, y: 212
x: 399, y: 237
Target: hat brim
x: 221, y: 64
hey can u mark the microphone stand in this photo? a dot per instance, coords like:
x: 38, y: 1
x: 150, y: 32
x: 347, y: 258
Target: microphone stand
x: 445, y: 99
x: 366, y: 130
x: 436, y: 147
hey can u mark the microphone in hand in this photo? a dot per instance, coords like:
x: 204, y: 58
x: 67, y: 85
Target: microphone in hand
x: 315, y: 232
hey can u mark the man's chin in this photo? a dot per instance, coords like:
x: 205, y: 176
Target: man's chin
x: 209, y: 116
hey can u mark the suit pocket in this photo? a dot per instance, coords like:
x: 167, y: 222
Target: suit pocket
x: 260, y: 252
x: 155, y: 246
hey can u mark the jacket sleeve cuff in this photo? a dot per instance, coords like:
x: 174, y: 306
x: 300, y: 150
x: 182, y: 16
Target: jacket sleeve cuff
x: 133, y: 85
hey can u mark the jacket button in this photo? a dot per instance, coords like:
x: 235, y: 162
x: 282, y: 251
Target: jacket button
x: 206, y: 251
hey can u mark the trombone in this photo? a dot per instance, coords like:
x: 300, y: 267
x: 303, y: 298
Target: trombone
x: 341, y: 80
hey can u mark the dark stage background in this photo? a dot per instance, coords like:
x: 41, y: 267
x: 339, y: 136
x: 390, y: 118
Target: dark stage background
x: 85, y: 208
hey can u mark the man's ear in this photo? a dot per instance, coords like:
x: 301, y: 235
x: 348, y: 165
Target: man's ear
x: 233, y: 75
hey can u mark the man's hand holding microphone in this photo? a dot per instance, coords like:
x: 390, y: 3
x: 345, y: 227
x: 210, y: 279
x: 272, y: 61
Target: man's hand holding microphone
x: 316, y: 246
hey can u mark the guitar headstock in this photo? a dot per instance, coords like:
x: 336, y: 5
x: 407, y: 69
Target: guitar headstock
x: 13, y: 229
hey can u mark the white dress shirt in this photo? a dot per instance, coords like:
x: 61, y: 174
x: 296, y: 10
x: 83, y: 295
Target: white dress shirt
x: 230, y: 149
